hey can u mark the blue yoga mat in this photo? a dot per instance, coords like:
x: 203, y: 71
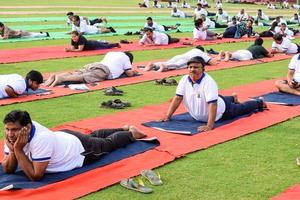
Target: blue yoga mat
x: 31, y: 92
x: 281, y: 98
x: 20, y: 181
x: 185, y: 124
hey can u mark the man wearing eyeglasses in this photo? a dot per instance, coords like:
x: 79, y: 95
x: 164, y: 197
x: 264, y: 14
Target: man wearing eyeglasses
x: 199, y: 93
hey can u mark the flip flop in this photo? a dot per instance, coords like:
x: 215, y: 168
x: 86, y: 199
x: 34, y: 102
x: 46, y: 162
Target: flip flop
x: 152, y: 177
x: 132, y: 185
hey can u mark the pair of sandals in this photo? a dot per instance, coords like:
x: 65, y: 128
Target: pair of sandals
x: 113, y: 91
x: 115, y: 104
x: 167, y: 82
x: 139, y: 185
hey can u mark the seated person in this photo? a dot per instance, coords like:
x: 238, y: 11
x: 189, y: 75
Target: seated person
x: 285, y: 5
x: 157, y: 27
x: 295, y: 19
x: 219, y: 5
x: 154, y: 38
x: 80, y: 43
x: 296, y: 6
x: 284, y: 31
x: 270, y: 5
x: 88, y: 22
x: 211, y: 23
x: 255, y: 51
x: 242, y: 15
x: 180, y: 61
x: 185, y: 5
x: 261, y: 15
x: 284, y: 45
x: 222, y: 16
x: 49, y: 152
x: 233, y: 22
x: 199, y: 11
x: 83, y: 28
x: 279, y: 20
x: 201, y: 32
x: 204, y: 3
x: 8, y: 33
x: 199, y: 93
x: 13, y: 85
x: 239, y: 30
x: 112, y: 66
x: 145, y: 4
x: 178, y: 13
x: 292, y: 84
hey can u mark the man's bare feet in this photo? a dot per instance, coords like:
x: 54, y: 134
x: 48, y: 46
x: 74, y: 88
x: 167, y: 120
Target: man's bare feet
x: 126, y: 127
x: 221, y: 55
x: 235, y: 97
x: 149, y: 66
x: 136, y: 133
x: 50, y: 80
x: 162, y: 68
x: 227, y: 56
x: 58, y: 80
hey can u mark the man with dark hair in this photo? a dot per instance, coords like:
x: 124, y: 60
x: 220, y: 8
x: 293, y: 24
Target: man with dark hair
x: 8, y: 33
x: 180, y: 61
x: 157, y: 27
x: 199, y: 92
x: 154, y: 38
x: 13, y: 85
x: 80, y: 43
x: 255, y: 51
x: 112, y: 66
x: 284, y: 45
x: 48, y: 152
x: 89, y: 22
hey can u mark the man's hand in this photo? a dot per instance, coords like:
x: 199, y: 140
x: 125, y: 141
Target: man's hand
x: 9, y: 145
x: 164, y: 119
x: 22, y: 139
x: 205, y: 128
x: 67, y: 49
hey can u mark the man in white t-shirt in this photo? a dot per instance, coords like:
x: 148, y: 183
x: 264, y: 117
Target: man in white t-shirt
x: 222, y: 16
x: 284, y: 31
x: 283, y: 45
x: 157, y: 27
x: 89, y: 22
x: 199, y: 11
x: 38, y: 150
x: 242, y: 15
x: 199, y: 93
x: 180, y: 61
x: 178, y: 13
x: 13, y: 85
x: 261, y: 15
x: 154, y: 38
x: 112, y: 66
x: 83, y: 28
x: 292, y: 84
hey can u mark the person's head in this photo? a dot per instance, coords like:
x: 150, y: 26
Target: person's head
x: 76, y: 20
x: 174, y: 9
x: 130, y: 56
x: 220, y: 11
x: 296, y: 16
x: 1, y: 26
x: 196, y: 67
x: 277, y: 19
x: 278, y: 38
x: 242, y: 11
x: 283, y: 26
x: 259, y: 12
x: 259, y: 41
x: 70, y: 15
x: 233, y: 19
x: 149, y: 21
x: 75, y: 36
x: 199, y: 6
x: 34, y: 79
x: 249, y: 23
x: 256, y: 22
x: 148, y: 32
x: 198, y: 23
x: 200, y: 48
x: 15, y: 122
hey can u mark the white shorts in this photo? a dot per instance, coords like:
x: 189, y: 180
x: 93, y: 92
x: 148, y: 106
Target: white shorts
x: 242, y: 55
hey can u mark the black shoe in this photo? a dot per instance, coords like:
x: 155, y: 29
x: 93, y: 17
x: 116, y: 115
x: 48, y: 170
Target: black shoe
x: 128, y: 33
x: 211, y: 51
x: 112, y: 29
x: 115, y: 104
x: 125, y: 42
x: 47, y: 34
x: 178, y: 31
x: 170, y: 82
x: 137, y: 33
x: 112, y: 91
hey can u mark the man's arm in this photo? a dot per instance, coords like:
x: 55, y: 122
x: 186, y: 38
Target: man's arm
x: 290, y: 76
x: 172, y: 108
x: 130, y: 72
x: 9, y: 163
x: 72, y: 49
x: 10, y: 92
x: 212, y: 113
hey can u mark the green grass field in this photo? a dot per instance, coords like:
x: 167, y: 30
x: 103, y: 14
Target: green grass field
x: 254, y: 167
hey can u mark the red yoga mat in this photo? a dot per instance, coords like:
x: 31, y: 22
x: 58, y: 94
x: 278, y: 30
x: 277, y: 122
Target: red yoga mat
x: 292, y: 193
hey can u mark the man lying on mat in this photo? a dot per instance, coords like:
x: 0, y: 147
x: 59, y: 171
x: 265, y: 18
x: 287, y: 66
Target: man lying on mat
x: 112, y: 66
x: 38, y: 150
x: 89, y: 22
x: 8, y: 33
x: 80, y: 43
x: 292, y: 84
x: 255, y: 51
x: 199, y: 93
x: 154, y: 38
x: 284, y: 45
x: 180, y: 61
x: 13, y: 85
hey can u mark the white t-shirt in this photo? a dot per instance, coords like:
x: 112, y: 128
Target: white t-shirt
x: 117, y: 63
x: 295, y: 65
x: 196, y: 52
x: 271, y: 6
x: 199, y: 34
x: 286, y: 31
x: 70, y: 21
x: 158, y: 38
x: 219, y: 5
x: 200, y: 12
x: 146, y: 2
x: 179, y: 13
x: 84, y: 28
x: 229, y: 24
x: 197, y: 96
x: 62, y: 150
x: 222, y: 17
x: 242, y: 16
x: 295, y: 20
x: 208, y: 23
x: 15, y: 81
x: 263, y: 16
x: 280, y: 22
x: 287, y: 46
x: 155, y: 27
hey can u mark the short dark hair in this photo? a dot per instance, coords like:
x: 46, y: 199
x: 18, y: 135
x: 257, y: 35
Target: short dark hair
x: 34, y: 76
x: 76, y: 17
x: 277, y: 37
x: 200, y: 47
x: 258, y: 41
x: 148, y: 29
x: 130, y: 56
x: 75, y: 33
x: 70, y: 13
x: 199, y: 4
x: 259, y: 10
x: 1, y: 24
x: 198, y: 22
x: 197, y: 59
x: 21, y: 117
x: 149, y: 18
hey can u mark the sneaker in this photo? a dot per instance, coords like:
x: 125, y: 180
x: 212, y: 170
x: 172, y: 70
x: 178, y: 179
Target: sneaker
x: 112, y: 91
x: 125, y: 42
x: 170, y: 82
x: 211, y: 51
x: 128, y: 33
x: 177, y: 25
x: 159, y: 81
x: 115, y: 104
x: 47, y: 34
x: 137, y: 33
x: 178, y: 31
x: 112, y: 29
